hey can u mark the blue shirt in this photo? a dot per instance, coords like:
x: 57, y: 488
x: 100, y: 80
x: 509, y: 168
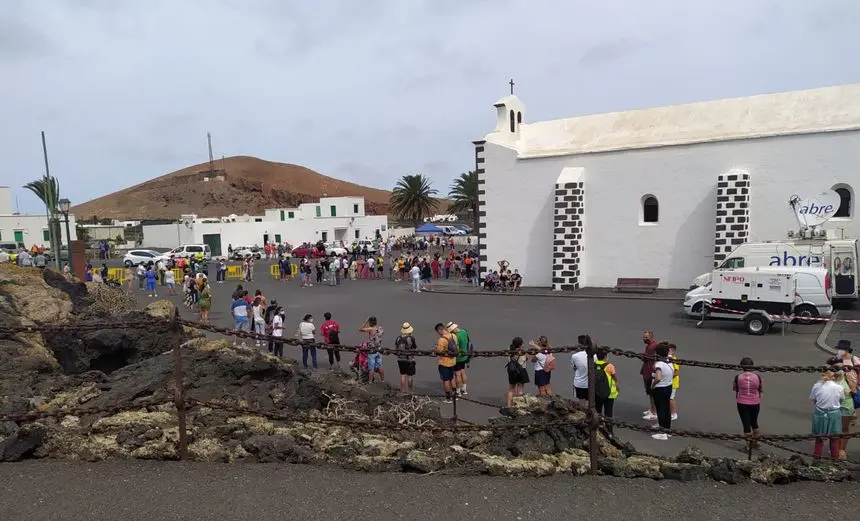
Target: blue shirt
x: 239, y: 308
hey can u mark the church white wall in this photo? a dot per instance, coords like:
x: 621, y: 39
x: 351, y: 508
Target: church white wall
x: 519, y: 203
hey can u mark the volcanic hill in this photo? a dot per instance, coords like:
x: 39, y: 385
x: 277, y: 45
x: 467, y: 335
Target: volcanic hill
x: 239, y: 185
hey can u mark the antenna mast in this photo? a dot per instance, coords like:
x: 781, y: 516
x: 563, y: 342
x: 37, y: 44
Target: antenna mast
x: 211, y: 159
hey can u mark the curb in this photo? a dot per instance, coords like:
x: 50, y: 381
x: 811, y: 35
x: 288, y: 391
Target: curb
x: 571, y: 296
x: 821, y: 341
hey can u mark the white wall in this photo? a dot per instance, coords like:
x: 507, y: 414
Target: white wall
x: 519, y: 195
x: 294, y: 231
x: 33, y: 227
x: 6, y: 203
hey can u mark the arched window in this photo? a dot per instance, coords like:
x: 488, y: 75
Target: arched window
x: 519, y: 117
x: 513, y: 122
x: 846, y: 197
x: 650, y: 209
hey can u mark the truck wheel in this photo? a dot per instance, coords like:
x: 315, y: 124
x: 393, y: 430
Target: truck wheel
x: 804, y: 313
x: 757, y: 324
x: 697, y: 308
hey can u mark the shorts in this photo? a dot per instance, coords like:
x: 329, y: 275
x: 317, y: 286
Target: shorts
x: 150, y: 286
x: 407, y: 367
x: 672, y: 396
x: 425, y: 280
x: 241, y: 324
x: 542, y: 378
x: 580, y: 393
x: 170, y: 285
x: 460, y: 366
x: 374, y: 362
x: 446, y: 373
x: 648, y: 382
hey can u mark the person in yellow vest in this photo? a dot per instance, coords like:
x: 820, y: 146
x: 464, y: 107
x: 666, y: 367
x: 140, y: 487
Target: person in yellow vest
x: 199, y: 257
x: 606, y: 384
x: 676, y: 380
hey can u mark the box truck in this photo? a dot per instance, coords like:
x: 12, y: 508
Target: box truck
x: 838, y: 256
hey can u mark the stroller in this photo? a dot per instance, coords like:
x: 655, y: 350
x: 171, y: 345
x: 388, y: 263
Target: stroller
x: 358, y: 365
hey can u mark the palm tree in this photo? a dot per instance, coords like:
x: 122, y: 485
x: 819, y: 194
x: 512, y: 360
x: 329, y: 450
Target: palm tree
x: 48, y: 190
x: 412, y: 199
x: 464, y: 195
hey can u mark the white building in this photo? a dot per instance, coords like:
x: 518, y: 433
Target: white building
x: 660, y: 193
x: 31, y: 230
x: 332, y: 219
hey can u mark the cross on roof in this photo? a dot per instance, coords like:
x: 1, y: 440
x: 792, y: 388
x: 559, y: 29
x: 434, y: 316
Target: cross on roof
x: 511, y: 83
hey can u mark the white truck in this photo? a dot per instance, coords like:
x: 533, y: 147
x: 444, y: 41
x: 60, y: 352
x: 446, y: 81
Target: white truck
x: 839, y: 256
x: 758, y: 297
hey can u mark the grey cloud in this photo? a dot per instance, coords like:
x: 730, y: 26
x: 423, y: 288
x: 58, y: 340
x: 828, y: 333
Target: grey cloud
x: 369, y: 91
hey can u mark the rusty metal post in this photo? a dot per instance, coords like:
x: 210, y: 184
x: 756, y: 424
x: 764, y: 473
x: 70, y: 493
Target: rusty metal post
x: 179, y: 388
x: 593, y: 423
x: 454, y: 398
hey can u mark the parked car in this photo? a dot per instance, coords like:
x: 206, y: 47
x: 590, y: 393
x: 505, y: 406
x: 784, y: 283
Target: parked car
x: 10, y: 246
x: 241, y: 252
x: 305, y: 250
x: 188, y: 250
x: 371, y: 246
x: 333, y: 249
x: 64, y: 253
x: 135, y: 257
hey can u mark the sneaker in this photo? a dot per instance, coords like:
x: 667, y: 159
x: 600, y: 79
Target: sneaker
x: 655, y: 427
x: 649, y: 417
x: 674, y: 416
x: 646, y: 412
x: 447, y: 400
x: 660, y: 436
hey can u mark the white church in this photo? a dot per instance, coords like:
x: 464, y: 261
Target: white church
x: 663, y: 192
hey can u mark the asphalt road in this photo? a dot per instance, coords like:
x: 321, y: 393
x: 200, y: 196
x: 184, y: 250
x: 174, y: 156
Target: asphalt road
x: 705, y: 399
x: 144, y: 490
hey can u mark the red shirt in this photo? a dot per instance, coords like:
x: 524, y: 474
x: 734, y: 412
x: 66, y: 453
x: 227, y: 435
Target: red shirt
x: 648, y: 365
x: 327, y: 327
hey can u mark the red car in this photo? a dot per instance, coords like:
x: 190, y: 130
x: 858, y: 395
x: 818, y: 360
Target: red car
x: 304, y: 251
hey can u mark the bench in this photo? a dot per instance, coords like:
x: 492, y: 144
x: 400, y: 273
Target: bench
x: 636, y: 285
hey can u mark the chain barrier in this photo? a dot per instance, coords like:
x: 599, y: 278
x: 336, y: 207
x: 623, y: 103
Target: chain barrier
x: 788, y: 318
x: 381, y: 425
x: 160, y: 324
x: 52, y: 412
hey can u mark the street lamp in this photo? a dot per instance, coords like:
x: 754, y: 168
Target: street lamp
x: 64, y: 205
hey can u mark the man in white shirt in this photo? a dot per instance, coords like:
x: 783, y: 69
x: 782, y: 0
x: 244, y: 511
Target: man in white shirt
x: 415, y: 272
x: 278, y: 331
x: 579, y: 363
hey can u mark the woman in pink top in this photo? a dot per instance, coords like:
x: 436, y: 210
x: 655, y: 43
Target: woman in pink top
x: 748, y: 389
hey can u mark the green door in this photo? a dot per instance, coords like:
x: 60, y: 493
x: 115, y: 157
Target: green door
x: 214, y: 242
x: 19, y: 236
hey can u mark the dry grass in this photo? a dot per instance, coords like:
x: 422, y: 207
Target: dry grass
x: 106, y: 301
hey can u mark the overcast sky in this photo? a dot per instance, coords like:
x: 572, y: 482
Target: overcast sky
x: 369, y: 90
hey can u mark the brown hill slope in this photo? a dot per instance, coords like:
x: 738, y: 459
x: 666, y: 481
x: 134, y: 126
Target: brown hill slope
x: 250, y: 185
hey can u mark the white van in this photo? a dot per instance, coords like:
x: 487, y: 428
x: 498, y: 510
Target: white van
x: 189, y: 250
x: 839, y: 256
x: 812, y: 288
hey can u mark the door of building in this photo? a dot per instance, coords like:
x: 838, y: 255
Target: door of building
x: 19, y: 236
x: 214, y: 242
x: 265, y: 239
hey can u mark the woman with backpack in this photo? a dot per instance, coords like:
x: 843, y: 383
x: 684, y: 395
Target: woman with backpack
x: 605, y: 385
x: 544, y: 363
x: 517, y: 373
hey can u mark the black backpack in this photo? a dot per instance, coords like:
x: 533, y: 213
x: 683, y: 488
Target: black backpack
x: 334, y: 337
x: 602, y: 389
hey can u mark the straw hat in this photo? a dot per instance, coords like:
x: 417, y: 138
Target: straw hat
x: 450, y: 327
x: 406, y: 329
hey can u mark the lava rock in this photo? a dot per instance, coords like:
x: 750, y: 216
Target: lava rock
x: 270, y: 448
x: 683, y: 471
x: 727, y: 471
x: 23, y: 443
x: 693, y: 456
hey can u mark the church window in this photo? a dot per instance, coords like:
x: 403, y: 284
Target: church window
x: 513, y: 122
x: 519, y: 117
x: 650, y: 209
x: 845, y: 200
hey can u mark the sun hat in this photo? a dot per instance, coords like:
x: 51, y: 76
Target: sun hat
x: 450, y: 327
x: 406, y: 329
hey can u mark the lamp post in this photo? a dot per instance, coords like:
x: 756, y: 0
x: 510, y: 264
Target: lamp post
x: 64, y: 205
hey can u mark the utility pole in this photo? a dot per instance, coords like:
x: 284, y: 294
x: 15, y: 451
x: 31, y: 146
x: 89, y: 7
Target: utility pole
x: 55, y: 247
x: 211, y: 159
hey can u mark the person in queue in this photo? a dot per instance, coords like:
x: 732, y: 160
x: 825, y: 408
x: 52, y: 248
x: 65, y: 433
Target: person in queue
x: 748, y: 388
x: 647, y: 373
x: 827, y: 396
